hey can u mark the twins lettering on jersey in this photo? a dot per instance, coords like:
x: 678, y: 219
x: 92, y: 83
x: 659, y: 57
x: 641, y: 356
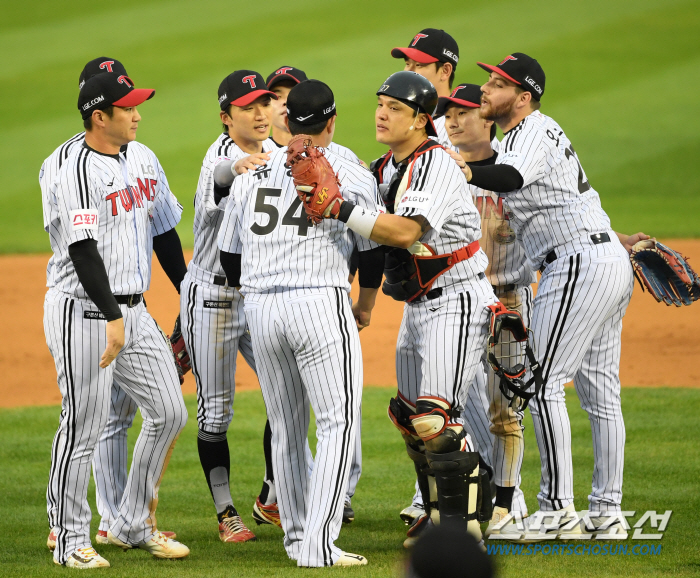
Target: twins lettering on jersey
x: 132, y: 195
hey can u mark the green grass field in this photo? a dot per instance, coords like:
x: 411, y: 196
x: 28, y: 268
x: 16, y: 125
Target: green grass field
x: 661, y: 473
x: 622, y: 80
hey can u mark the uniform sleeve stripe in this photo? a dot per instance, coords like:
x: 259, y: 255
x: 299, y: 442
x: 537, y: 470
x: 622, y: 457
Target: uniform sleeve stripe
x: 85, y: 180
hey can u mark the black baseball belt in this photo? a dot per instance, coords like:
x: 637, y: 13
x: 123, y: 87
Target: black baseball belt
x: 596, y: 238
x: 129, y: 300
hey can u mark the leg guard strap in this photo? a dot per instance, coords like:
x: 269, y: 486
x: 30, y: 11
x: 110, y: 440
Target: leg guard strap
x: 456, y: 476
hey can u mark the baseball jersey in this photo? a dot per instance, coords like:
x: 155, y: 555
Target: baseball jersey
x: 556, y: 205
x: 267, y: 224
x: 507, y: 260
x: 207, y: 214
x: 122, y: 201
x: 437, y: 190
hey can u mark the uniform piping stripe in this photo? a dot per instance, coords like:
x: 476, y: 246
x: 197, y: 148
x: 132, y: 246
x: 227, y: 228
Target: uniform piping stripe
x: 460, y: 361
x: 191, y: 298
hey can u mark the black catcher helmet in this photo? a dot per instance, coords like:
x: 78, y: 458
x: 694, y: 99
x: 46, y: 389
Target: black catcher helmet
x: 414, y: 90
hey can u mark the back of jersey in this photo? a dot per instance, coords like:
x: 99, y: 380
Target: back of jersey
x: 265, y: 222
x: 556, y: 205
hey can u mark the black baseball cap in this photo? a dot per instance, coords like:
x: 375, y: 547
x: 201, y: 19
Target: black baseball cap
x: 310, y: 102
x: 100, y: 65
x: 241, y: 88
x: 430, y: 45
x: 466, y: 95
x: 522, y: 70
x: 288, y: 73
x: 110, y: 89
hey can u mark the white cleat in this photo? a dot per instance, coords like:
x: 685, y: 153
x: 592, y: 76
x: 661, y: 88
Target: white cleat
x: 606, y: 527
x: 101, y: 538
x: 85, y: 559
x: 51, y: 540
x: 347, y: 559
x: 498, y: 515
x: 163, y: 547
x: 564, y: 524
x: 112, y: 539
x: 408, y: 515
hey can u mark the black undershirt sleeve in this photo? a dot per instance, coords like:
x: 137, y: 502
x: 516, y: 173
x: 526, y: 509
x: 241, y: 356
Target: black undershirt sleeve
x: 496, y: 178
x: 168, y: 249
x: 231, y: 264
x: 92, y: 274
x: 371, y: 267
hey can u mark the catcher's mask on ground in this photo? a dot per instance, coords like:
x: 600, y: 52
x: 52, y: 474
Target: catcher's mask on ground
x: 508, y: 351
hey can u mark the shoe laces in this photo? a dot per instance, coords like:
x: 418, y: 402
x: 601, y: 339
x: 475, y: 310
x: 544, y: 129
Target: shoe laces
x: 86, y: 552
x: 234, y: 524
x: 160, y: 537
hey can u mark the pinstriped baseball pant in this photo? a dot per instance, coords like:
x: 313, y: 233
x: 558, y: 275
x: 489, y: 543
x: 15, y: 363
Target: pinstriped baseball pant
x: 577, y: 324
x: 308, y: 352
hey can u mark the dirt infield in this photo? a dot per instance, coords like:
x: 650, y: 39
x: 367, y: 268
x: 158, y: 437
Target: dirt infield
x: 654, y: 352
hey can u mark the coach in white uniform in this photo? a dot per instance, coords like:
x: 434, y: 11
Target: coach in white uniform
x: 110, y: 460
x: 104, y: 209
x: 305, y: 333
x: 213, y: 323
x: 583, y: 293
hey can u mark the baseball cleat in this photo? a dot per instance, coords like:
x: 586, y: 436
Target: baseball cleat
x: 266, y: 514
x: 498, y: 515
x: 232, y: 528
x: 112, y: 539
x: 606, y: 528
x: 408, y: 515
x: 163, y: 547
x: 419, y: 526
x: 84, y: 559
x: 348, y: 513
x: 564, y: 524
x: 347, y: 559
x: 51, y: 540
x: 102, y: 538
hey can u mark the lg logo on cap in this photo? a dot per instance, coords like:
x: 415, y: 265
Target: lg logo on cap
x: 450, y: 54
x: 93, y: 102
x: 533, y: 84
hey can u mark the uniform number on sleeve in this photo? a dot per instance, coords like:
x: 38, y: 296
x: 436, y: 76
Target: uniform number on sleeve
x: 271, y: 211
x: 583, y: 184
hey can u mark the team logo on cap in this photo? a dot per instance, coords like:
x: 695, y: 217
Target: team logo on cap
x: 460, y: 87
x: 250, y: 79
x: 417, y: 37
x: 93, y: 102
x: 222, y: 98
x: 108, y: 65
x: 125, y: 80
x: 450, y: 54
x: 283, y: 70
x: 506, y: 59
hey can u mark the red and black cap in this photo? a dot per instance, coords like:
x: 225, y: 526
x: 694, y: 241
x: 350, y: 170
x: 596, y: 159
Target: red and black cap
x: 242, y: 87
x: 430, y: 45
x: 310, y: 102
x: 522, y: 70
x: 110, y: 89
x: 100, y: 65
x: 466, y: 95
x: 286, y: 73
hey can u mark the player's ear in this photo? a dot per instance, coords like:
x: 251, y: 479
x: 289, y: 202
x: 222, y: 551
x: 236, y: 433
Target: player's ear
x: 446, y: 71
x: 98, y: 117
x: 420, y: 122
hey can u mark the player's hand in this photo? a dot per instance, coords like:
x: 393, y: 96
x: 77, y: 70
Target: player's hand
x: 362, y: 316
x: 115, y: 341
x: 250, y: 163
x: 632, y: 240
x: 461, y: 163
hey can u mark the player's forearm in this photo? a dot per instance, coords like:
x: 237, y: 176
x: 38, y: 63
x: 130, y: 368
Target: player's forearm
x: 367, y: 298
x: 384, y: 229
x: 91, y: 272
x: 168, y: 249
x: 496, y: 178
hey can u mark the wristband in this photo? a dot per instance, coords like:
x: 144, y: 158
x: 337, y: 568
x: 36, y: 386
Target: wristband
x: 361, y: 220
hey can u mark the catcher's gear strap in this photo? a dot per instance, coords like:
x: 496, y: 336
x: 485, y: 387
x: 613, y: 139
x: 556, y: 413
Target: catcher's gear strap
x: 400, y: 411
x: 457, y: 478
x: 376, y: 167
x: 665, y: 273
x: 485, y: 498
x: 511, y: 384
x: 409, y: 277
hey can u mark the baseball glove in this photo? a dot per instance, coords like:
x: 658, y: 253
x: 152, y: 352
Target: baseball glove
x: 665, y: 273
x: 317, y: 185
x: 182, y: 358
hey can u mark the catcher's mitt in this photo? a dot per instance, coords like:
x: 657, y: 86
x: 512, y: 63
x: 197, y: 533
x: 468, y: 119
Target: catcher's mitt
x: 665, y: 273
x: 182, y: 358
x: 317, y: 185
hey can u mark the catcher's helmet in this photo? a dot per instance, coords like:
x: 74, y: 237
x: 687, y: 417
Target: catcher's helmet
x: 414, y: 90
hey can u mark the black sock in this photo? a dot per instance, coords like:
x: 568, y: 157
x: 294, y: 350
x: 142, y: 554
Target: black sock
x: 269, y: 480
x: 504, y: 497
x: 216, y: 463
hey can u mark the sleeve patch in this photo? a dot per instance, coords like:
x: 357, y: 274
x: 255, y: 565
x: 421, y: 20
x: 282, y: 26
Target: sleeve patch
x: 415, y: 200
x: 82, y: 219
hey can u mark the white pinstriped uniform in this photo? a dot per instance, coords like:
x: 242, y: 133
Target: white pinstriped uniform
x: 441, y: 131
x: 110, y: 461
x: 577, y: 316
x: 507, y: 267
x: 211, y: 314
x: 121, y: 201
x: 295, y: 281
x: 441, y: 341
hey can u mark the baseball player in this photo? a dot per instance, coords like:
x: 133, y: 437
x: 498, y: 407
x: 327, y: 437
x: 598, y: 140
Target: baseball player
x: 213, y: 322
x: 109, y: 462
x: 582, y: 295
x: 281, y: 81
x: 102, y: 213
x: 305, y: 332
x: 511, y: 278
x: 439, y: 271
x: 434, y: 54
